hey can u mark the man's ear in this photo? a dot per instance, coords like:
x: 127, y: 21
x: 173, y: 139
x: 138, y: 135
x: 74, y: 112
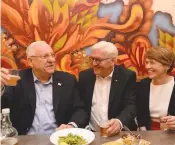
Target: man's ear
x: 114, y: 60
x: 30, y: 62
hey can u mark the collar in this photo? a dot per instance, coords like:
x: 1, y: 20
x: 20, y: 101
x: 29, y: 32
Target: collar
x: 109, y: 76
x: 50, y: 81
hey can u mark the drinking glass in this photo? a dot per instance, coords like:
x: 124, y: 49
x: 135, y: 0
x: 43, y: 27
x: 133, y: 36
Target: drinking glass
x: 103, y: 128
x: 14, y: 77
x: 163, y: 125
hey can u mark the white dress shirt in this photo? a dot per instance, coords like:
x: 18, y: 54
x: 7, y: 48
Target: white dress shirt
x: 100, y: 101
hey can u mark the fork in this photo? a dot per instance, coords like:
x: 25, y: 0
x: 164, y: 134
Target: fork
x: 127, y: 129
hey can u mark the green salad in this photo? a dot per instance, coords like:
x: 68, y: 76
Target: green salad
x: 72, y: 139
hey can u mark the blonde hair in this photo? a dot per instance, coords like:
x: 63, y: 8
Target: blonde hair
x: 109, y: 48
x: 162, y: 55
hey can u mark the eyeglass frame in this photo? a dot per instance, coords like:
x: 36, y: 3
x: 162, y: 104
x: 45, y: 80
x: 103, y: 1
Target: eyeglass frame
x: 98, y: 61
x: 45, y: 56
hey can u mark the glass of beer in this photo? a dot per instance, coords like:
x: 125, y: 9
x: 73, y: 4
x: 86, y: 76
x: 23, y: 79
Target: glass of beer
x: 103, y: 128
x: 14, y: 77
x: 163, y: 125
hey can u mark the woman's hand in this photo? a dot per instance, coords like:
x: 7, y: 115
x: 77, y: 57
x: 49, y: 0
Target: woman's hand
x: 170, y: 122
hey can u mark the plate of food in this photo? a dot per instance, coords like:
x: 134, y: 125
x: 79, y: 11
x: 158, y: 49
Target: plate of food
x: 128, y: 139
x: 72, y: 136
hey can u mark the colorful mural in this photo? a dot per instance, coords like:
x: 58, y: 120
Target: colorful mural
x: 71, y: 27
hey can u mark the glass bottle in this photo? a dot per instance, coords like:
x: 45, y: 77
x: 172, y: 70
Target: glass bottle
x: 1, y: 125
x: 7, y: 130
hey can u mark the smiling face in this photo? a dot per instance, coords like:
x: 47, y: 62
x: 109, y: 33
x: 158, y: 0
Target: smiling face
x: 155, y: 69
x: 43, y: 60
x: 159, y: 62
x: 102, y: 64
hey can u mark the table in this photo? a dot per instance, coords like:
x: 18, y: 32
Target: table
x: 155, y: 137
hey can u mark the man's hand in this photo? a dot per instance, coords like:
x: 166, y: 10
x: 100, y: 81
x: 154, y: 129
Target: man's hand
x: 64, y: 126
x: 114, y: 127
x: 5, y: 76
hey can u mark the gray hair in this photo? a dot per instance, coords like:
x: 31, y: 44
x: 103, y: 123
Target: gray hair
x: 109, y: 48
x: 31, y: 49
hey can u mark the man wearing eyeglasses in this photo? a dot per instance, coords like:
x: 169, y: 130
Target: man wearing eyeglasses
x: 43, y: 99
x: 108, y: 90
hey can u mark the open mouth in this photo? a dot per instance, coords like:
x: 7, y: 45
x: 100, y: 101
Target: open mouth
x: 50, y: 66
x: 150, y: 71
x: 96, y: 67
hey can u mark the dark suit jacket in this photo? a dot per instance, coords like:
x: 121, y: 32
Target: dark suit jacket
x: 122, y: 94
x: 21, y: 100
x: 142, y: 103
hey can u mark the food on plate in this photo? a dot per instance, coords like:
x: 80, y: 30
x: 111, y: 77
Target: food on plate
x: 113, y: 143
x: 133, y: 139
x: 63, y: 143
x: 129, y: 139
x: 144, y: 142
x: 71, y: 139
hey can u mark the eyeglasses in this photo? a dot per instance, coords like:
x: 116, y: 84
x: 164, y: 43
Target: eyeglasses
x: 97, y: 60
x: 46, y: 56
